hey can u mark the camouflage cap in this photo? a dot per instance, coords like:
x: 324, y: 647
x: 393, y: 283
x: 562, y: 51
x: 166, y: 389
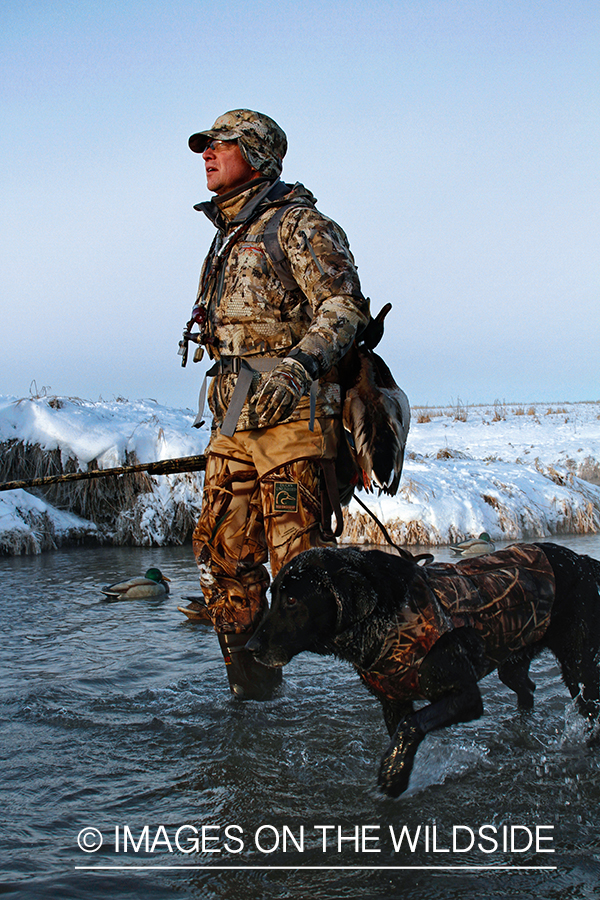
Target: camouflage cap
x: 261, y: 140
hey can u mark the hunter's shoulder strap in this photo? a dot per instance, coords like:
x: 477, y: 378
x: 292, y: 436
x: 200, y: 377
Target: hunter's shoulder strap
x: 275, y: 251
x: 283, y: 270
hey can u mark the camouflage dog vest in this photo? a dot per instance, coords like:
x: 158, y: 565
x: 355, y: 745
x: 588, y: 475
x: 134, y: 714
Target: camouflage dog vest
x: 506, y: 597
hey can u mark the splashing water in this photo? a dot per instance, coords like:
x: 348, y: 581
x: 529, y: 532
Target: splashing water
x: 117, y: 716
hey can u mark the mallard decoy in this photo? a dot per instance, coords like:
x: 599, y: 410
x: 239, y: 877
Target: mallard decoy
x: 197, y: 611
x: 474, y: 546
x: 153, y: 585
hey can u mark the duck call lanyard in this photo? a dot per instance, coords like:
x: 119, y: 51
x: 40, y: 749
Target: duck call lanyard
x: 215, y: 267
x: 213, y: 273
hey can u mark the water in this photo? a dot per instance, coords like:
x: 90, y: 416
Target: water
x: 116, y: 716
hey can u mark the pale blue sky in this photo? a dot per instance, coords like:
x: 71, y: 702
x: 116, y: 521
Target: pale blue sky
x: 456, y: 142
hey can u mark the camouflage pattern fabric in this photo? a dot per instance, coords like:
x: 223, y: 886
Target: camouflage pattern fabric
x: 262, y: 499
x: 249, y: 313
x: 262, y: 495
x: 262, y: 142
x: 506, y: 597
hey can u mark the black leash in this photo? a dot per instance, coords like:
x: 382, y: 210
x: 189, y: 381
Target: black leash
x: 427, y: 557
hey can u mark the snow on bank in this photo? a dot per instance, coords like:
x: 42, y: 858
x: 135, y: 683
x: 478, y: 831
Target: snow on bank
x: 104, y: 431
x: 515, y: 472
x: 29, y: 525
x: 50, y: 435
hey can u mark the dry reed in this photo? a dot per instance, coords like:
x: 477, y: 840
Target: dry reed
x: 124, y: 509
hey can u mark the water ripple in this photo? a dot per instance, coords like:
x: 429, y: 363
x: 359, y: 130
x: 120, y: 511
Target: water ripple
x: 118, y: 714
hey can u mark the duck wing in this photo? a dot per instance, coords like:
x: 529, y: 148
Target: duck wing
x: 134, y: 588
x: 377, y: 415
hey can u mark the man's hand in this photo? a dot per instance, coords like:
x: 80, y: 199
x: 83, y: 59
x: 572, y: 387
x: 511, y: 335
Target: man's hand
x: 287, y: 383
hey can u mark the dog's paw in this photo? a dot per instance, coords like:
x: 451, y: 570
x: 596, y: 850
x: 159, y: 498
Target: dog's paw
x: 397, y: 763
x: 525, y: 699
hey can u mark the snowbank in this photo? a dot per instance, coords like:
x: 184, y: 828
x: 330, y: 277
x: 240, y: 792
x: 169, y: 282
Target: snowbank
x: 51, y: 435
x: 516, y: 472
x: 29, y: 525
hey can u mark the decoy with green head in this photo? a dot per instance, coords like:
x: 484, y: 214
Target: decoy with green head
x: 151, y: 586
x: 474, y: 546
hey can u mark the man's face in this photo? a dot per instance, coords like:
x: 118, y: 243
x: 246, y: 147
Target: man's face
x: 226, y: 168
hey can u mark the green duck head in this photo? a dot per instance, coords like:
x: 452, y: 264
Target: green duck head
x: 155, y: 574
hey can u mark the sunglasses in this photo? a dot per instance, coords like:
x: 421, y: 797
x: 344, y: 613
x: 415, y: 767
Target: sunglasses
x: 216, y: 146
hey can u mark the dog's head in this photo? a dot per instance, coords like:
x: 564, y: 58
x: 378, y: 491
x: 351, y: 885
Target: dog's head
x: 316, y: 597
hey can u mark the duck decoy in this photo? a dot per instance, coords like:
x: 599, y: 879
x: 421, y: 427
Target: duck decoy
x: 474, y: 546
x: 197, y: 611
x: 149, y: 587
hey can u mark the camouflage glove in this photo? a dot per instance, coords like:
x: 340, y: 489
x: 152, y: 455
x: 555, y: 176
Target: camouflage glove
x: 277, y: 400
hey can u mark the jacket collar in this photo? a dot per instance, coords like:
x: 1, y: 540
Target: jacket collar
x: 257, y: 194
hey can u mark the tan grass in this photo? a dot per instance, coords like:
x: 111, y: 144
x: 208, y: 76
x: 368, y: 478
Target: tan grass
x: 361, y: 529
x: 119, y: 506
x: 96, y: 500
x: 427, y: 413
x: 499, y: 412
x: 461, y: 411
x: 449, y: 453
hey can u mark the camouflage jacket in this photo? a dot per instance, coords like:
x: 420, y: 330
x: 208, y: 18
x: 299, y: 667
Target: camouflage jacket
x: 248, y: 311
x: 506, y: 597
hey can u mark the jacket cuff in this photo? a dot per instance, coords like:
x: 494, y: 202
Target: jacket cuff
x: 309, y: 362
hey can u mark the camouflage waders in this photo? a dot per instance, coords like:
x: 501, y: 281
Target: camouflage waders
x: 262, y: 500
x: 276, y: 335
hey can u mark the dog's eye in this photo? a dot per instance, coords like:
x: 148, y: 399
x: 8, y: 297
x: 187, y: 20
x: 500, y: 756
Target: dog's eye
x: 291, y: 601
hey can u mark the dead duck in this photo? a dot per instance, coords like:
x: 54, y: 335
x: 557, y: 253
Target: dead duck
x: 151, y: 586
x: 474, y: 546
x: 376, y: 419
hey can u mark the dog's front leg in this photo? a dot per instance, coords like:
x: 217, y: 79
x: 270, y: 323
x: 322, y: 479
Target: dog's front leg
x: 514, y: 673
x: 448, y: 679
x: 394, y: 712
x: 398, y: 759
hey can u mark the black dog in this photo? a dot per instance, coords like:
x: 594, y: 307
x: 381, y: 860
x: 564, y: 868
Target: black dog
x: 432, y: 632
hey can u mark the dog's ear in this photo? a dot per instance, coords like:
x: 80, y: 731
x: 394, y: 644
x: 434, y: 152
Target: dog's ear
x: 354, y: 596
